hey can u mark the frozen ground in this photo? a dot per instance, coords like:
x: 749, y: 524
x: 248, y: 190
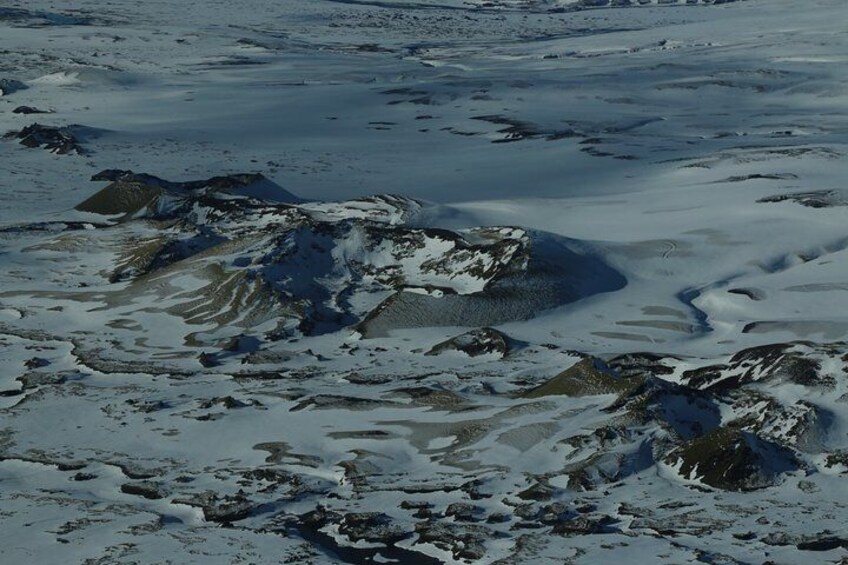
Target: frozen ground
x: 648, y: 202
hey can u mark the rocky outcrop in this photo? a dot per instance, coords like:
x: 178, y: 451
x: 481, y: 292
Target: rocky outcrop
x: 812, y: 199
x: 131, y: 194
x: 588, y: 377
x: 10, y: 86
x: 732, y: 459
x: 28, y: 110
x: 483, y: 341
x: 781, y: 362
x: 60, y: 140
x: 262, y: 254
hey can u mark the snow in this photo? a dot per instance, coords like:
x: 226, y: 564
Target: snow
x: 643, y: 157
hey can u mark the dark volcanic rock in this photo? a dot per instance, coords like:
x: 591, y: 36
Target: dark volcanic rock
x: 463, y: 512
x: 374, y: 527
x: 517, y: 130
x: 33, y: 380
x: 463, y: 541
x: 641, y: 364
x: 752, y: 293
x: 208, y: 359
x: 812, y: 199
x: 421, y: 508
x: 61, y: 140
x: 320, y: 517
x: 36, y: 363
x: 824, y: 543
x: 766, y: 363
x: 228, y: 508
x: 26, y: 110
x: 301, y: 265
x: 221, y: 509
x: 146, y: 489
x: 761, y: 176
x: 530, y: 273
x: 779, y: 362
x: 111, y: 175
x: 585, y: 525
x: 540, y: 490
x: 227, y: 402
x: 9, y: 86
x: 482, y: 341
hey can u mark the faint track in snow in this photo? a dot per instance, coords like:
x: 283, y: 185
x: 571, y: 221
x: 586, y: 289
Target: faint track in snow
x: 672, y: 247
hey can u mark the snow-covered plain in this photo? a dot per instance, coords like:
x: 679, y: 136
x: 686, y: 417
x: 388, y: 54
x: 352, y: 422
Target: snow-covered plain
x: 648, y: 201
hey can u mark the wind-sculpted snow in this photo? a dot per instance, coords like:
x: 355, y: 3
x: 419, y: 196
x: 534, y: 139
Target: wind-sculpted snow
x: 557, y: 281
x: 532, y: 5
x: 445, y: 456
x: 205, y: 297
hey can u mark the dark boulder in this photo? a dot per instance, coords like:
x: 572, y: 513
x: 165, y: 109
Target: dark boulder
x: 27, y: 110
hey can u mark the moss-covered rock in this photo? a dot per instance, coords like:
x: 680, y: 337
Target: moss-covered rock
x: 124, y: 196
x: 778, y: 362
x: 732, y: 459
x: 589, y: 377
